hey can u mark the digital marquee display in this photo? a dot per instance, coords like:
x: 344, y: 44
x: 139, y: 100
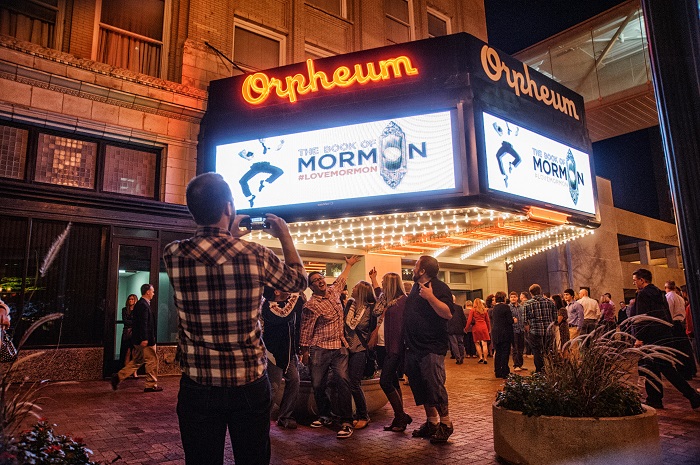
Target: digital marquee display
x: 526, y: 164
x: 390, y: 157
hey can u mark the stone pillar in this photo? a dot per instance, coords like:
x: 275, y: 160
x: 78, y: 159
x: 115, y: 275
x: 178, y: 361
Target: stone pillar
x: 644, y: 252
x: 672, y: 257
x: 673, y: 33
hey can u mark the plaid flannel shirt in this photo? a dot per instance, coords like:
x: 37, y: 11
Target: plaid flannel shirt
x: 322, y: 319
x: 218, y: 282
x: 539, y: 312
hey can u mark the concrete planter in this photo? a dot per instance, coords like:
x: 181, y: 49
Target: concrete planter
x: 543, y: 440
x: 306, y: 404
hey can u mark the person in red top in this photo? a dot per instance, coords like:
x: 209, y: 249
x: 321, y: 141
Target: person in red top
x: 323, y: 346
x: 481, y: 330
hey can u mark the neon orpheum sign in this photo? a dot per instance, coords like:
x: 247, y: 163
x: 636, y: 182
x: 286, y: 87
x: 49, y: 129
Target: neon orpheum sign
x: 258, y: 86
x: 522, y: 83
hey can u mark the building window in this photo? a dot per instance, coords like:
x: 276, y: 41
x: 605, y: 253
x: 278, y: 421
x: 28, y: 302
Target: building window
x: 131, y: 35
x: 315, y: 53
x: 398, y: 21
x: 438, y: 24
x: 256, y: 48
x: 31, y: 20
x: 13, y: 152
x: 458, y: 277
x: 336, y: 7
x: 75, y: 162
x: 67, y: 162
x: 129, y: 171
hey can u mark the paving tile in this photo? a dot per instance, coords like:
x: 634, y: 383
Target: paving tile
x: 142, y: 428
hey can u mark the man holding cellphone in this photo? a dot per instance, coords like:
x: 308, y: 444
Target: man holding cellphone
x: 218, y: 280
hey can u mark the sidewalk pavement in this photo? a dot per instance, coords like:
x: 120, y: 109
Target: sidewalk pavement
x: 142, y: 427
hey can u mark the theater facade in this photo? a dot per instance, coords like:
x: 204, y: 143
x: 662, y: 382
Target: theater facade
x: 443, y: 147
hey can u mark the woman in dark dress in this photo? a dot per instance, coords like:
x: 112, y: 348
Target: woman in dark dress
x: 561, y: 330
x: 501, y: 334
x: 128, y: 320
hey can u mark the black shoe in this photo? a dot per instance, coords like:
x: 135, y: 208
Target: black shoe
x: 399, y: 424
x: 114, y: 381
x: 321, y: 421
x: 345, y: 432
x: 287, y: 423
x: 442, y: 434
x: 657, y: 405
x: 695, y: 401
x: 426, y: 430
x: 153, y: 389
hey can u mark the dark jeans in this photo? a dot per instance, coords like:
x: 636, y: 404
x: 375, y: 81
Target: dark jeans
x: 257, y: 168
x: 457, y: 346
x: 517, y: 348
x: 655, y: 390
x: 356, y: 368
x: 500, y: 359
x: 389, y: 379
x: 538, y: 344
x: 337, y: 360
x: 290, y: 373
x: 682, y: 343
x: 469, y: 347
x: 588, y: 326
x: 204, y: 413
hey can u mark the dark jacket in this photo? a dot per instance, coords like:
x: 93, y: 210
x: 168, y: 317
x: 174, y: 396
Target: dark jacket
x: 144, y: 324
x: 652, y: 301
x: 501, y: 324
x: 458, y: 321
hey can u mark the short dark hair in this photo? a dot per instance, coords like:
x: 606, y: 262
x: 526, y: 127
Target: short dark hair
x: 500, y: 296
x: 430, y: 265
x: 535, y: 289
x: 513, y: 293
x: 145, y: 288
x: 207, y: 196
x: 643, y: 273
x: 671, y: 285
x: 269, y: 293
x: 312, y: 274
x: 570, y: 292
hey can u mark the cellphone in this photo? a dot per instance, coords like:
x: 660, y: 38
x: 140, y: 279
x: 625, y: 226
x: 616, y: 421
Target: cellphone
x: 255, y: 223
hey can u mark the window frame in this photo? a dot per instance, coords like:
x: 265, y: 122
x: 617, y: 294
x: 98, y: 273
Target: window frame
x: 411, y: 21
x: 165, y: 43
x: 32, y: 147
x: 60, y: 9
x: 262, y: 31
x: 442, y: 17
x: 319, y: 52
x: 343, y: 8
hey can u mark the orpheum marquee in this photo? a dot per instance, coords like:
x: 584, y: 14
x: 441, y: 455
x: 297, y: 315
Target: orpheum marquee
x: 444, y: 145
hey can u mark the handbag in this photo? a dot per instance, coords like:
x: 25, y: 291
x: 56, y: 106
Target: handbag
x: 8, y: 352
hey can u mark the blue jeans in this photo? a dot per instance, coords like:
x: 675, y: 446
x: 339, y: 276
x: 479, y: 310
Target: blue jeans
x: 356, y: 368
x: 204, y: 413
x: 320, y: 360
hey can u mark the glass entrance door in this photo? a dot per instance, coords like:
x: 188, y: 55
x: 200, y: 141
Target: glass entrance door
x: 134, y: 263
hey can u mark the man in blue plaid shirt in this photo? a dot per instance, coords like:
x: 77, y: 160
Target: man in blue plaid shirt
x: 538, y: 313
x: 218, y: 281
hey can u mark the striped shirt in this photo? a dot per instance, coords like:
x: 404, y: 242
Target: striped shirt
x: 322, y: 320
x: 218, y: 282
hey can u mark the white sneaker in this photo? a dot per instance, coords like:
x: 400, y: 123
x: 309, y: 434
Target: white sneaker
x: 345, y: 432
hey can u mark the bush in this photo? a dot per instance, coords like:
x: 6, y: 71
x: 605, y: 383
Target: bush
x: 42, y: 446
x: 590, y: 377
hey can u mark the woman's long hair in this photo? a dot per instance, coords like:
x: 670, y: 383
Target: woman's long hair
x: 136, y: 299
x: 479, y: 306
x: 392, y: 286
x: 365, y: 294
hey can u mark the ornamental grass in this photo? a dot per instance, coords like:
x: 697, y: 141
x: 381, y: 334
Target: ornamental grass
x: 591, y: 376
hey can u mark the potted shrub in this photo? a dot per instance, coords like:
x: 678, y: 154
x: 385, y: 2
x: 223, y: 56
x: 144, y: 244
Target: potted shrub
x: 584, y: 408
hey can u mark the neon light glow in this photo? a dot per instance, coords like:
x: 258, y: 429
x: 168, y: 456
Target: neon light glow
x: 258, y: 86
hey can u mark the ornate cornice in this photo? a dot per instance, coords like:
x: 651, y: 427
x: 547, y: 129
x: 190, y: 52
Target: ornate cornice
x: 99, y: 68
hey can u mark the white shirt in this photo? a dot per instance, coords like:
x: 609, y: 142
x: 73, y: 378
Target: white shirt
x: 591, y: 309
x: 676, y: 305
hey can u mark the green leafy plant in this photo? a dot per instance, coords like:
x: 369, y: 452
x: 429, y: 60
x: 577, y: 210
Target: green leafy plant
x: 590, y: 377
x: 42, y: 446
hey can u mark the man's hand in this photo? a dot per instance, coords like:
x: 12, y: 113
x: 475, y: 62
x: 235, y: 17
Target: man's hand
x: 352, y: 260
x: 305, y: 357
x: 426, y: 292
x: 235, y: 226
x: 278, y: 227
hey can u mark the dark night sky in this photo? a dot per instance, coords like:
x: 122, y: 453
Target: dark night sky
x: 630, y: 161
